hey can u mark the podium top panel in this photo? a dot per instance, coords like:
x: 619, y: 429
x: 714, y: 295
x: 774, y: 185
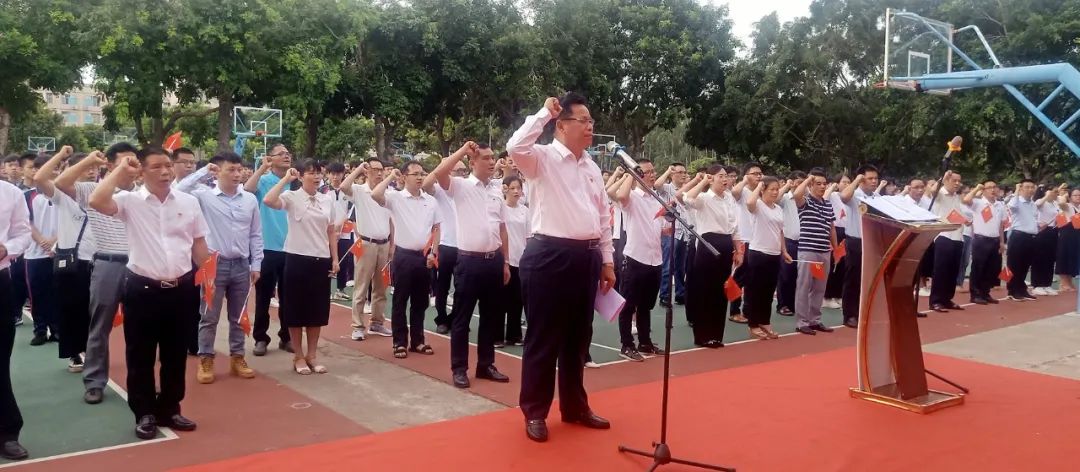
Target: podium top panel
x: 939, y: 226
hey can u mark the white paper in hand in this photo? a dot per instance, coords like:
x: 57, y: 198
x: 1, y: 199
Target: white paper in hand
x: 609, y: 304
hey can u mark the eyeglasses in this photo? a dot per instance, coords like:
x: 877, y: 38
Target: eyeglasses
x: 584, y: 121
x: 375, y: 169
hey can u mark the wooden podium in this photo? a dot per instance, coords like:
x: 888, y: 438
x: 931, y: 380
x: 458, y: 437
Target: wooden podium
x: 890, y: 357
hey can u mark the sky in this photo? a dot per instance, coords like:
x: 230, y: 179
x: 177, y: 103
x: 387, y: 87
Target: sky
x: 747, y: 12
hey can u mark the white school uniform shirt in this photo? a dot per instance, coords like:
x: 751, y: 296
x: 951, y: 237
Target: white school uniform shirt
x: 160, y: 234
x: 308, y: 216
x: 982, y: 227
x: 517, y: 231
x: 715, y: 213
x: 69, y: 220
x: 480, y: 208
x: 791, y: 216
x: 14, y: 223
x: 342, y: 211
x: 372, y: 219
x: 45, y: 223
x: 643, y: 228
x: 448, y: 215
x: 768, y: 223
x: 413, y: 217
x: 1046, y: 214
x: 746, y: 219
x: 839, y: 210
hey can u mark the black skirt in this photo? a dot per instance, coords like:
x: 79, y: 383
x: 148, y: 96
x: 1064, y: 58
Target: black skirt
x: 1068, y: 251
x: 305, y: 297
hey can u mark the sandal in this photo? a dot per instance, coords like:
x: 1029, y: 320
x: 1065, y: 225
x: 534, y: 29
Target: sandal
x: 759, y: 333
x: 771, y: 334
x: 400, y: 352
x: 302, y: 370
x: 738, y: 318
x: 423, y: 349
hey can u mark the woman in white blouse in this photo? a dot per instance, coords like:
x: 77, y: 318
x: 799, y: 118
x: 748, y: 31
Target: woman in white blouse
x: 766, y: 250
x: 1068, y: 249
x: 310, y: 252
x: 517, y: 231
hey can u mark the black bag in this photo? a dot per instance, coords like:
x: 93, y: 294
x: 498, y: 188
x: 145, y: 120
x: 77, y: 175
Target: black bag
x: 67, y: 260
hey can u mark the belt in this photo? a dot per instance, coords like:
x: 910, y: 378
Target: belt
x: 374, y: 241
x: 99, y: 256
x: 986, y: 237
x: 574, y: 243
x: 481, y: 255
x: 410, y: 252
x: 155, y: 283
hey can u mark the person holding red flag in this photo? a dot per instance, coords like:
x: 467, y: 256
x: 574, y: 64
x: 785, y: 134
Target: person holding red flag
x: 717, y: 216
x: 371, y: 252
x: 817, y: 238
x: 988, y: 243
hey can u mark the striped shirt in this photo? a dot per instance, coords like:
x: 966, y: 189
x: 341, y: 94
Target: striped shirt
x: 109, y: 232
x: 815, y: 221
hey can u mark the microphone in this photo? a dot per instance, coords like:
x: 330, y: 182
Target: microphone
x: 628, y: 161
x: 954, y: 146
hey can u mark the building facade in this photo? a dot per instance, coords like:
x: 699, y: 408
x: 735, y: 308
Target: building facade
x: 78, y: 107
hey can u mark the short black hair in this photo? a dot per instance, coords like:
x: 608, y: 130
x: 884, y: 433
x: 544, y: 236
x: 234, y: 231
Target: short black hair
x: 644, y: 161
x: 750, y: 165
x: 715, y: 168
x: 769, y: 180
x: 731, y: 170
x: 678, y: 164
x: 509, y: 180
x: 818, y: 172
x: 1026, y: 180
x: 76, y: 158
x: 407, y: 164
x: 182, y: 150
x: 913, y: 179
x: 227, y: 156
x: 147, y: 151
x: 568, y: 100
x: 863, y: 169
x: 839, y: 176
x: 28, y: 156
x: 308, y: 165
x: 375, y: 159
x: 40, y: 161
x: 11, y: 158
x: 483, y: 146
x: 797, y: 174
x: 112, y: 151
x: 502, y: 155
x: 335, y: 168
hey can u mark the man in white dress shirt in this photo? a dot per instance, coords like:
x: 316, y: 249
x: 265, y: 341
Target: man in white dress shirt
x: 864, y: 186
x: 948, y: 247
x: 375, y: 232
x: 988, y: 243
x: 167, y: 234
x: 447, y: 247
x: 14, y: 239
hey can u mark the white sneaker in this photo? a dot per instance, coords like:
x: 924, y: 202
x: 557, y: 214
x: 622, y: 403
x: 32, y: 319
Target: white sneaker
x: 339, y: 296
x: 350, y: 283
x: 358, y: 334
x: 1039, y: 291
x: 592, y: 365
x: 450, y: 301
x: 831, y: 303
x: 367, y: 308
x: 924, y: 292
x: 1051, y: 291
x: 380, y: 330
x: 274, y: 303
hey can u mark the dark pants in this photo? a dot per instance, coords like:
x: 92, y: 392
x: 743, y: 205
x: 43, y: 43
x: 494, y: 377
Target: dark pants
x: 789, y: 275
x: 43, y: 301
x: 739, y: 305
x: 412, y: 279
x: 639, y: 285
x: 447, y: 264
x: 691, y: 254
x: 947, y: 257
x: 509, y: 326
x: 74, y: 309
x: 985, y: 266
x: 1042, y: 264
x: 1021, y: 252
x: 271, y: 279
x: 476, y: 281
x: 20, y: 292
x: 761, y: 283
x: 155, y: 327
x: 10, y: 418
x: 706, y: 302
x: 852, y: 278
x: 673, y: 269
x: 558, y: 284
x: 345, y: 270
x: 834, y: 287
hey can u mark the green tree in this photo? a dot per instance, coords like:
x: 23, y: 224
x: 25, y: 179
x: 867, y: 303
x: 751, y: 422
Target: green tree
x: 37, y: 121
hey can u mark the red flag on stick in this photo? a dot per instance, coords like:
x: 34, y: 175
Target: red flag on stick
x: 1061, y: 220
x: 839, y: 252
x: 1005, y: 275
x: 1076, y: 221
x: 732, y: 289
x: 118, y: 320
x: 245, y: 320
x: 357, y: 249
x: 817, y: 270
x: 173, y: 142
x: 348, y: 226
x: 956, y: 218
x: 205, y: 277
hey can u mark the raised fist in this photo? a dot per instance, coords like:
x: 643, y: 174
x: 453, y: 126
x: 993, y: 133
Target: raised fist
x: 291, y: 175
x: 213, y: 168
x: 66, y: 151
x: 553, y: 106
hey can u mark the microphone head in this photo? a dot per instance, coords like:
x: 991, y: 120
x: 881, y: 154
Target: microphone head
x: 954, y: 145
x: 611, y: 146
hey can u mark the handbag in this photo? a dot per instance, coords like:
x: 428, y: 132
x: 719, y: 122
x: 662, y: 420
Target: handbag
x: 66, y: 261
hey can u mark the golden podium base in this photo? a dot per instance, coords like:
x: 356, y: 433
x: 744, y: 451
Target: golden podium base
x: 890, y: 395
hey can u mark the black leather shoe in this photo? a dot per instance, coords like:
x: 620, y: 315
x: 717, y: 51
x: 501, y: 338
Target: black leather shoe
x: 588, y: 420
x: 93, y: 396
x: 980, y: 301
x: 442, y: 329
x: 938, y: 307
x: 664, y: 303
x: 822, y: 328
x: 806, y: 330
x: 461, y: 380
x: 13, y: 451
x: 286, y: 346
x: 954, y: 306
x: 920, y: 314
x: 536, y: 430
x: 39, y: 340
x: 492, y: 374
x: 992, y: 300
x: 146, y: 428
x: 851, y: 323
x: 179, y: 423
x: 714, y: 344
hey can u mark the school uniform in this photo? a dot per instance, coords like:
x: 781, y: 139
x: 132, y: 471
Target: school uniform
x: 641, y: 271
x: 706, y: 304
x: 307, y: 258
x: 789, y: 273
x: 447, y: 256
x: 39, y: 271
x: 72, y: 278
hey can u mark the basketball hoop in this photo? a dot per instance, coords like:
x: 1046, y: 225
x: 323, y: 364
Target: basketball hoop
x: 881, y: 85
x: 259, y: 133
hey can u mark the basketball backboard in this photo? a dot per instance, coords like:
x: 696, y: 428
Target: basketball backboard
x: 915, y: 47
x: 41, y: 144
x: 260, y: 122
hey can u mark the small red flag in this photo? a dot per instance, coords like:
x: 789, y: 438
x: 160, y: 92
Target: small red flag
x: 119, y: 318
x: 1006, y: 223
x: 357, y: 249
x: 660, y: 212
x: 955, y: 217
x: 843, y: 213
x: 1076, y: 221
x: 173, y: 142
x: 987, y: 214
x: 839, y: 252
x: 205, y: 277
x: 387, y: 281
x: 1061, y: 220
x: 732, y: 289
x: 245, y: 320
x: 348, y: 226
x: 817, y: 270
x: 1005, y: 275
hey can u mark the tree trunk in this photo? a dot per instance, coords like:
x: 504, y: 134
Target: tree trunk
x: 311, y: 128
x: 158, y: 135
x: 140, y: 134
x: 440, y: 132
x: 5, y: 129
x: 224, y: 128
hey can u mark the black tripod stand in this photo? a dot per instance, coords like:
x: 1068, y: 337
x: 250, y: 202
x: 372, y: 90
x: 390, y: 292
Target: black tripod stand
x: 661, y: 453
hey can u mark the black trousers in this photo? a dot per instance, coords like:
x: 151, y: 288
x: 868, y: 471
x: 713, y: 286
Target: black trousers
x: 706, y: 303
x: 853, y: 278
x: 761, y: 283
x: 789, y: 274
x: 447, y: 263
x: 271, y: 280
x: 1021, y: 253
x: 20, y: 292
x: 74, y: 311
x: 1042, y: 264
x: 412, y: 279
x: 640, y: 285
x: 739, y: 305
x: 985, y: 266
x: 947, y: 257
x: 11, y: 421
x: 691, y: 253
x: 43, y: 301
x: 834, y: 287
x: 509, y: 326
x: 558, y: 284
x: 345, y: 270
x: 476, y: 281
x: 155, y: 328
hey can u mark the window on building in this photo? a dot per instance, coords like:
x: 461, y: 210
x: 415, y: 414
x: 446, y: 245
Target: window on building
x: 70, y: 99
x: 88, y: 119
x: 71, y: 118
x: 96, y: 118
x: 92, y: 101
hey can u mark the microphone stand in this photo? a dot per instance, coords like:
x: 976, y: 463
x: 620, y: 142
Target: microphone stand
x: 661, y: 453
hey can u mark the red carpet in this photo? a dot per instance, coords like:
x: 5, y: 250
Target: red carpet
x: 793, y: 414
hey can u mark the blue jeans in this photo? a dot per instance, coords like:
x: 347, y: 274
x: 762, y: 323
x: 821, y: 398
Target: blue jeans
x: 231, y: 285
x: 679, y: 269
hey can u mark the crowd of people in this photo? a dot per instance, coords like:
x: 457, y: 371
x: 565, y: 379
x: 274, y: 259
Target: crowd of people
x: 159, y: 243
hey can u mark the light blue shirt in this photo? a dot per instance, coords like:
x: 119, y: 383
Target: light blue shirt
x: 854, y: 216
x: 274, y: 222
x: 1024, y: 215
x: 235, y: 229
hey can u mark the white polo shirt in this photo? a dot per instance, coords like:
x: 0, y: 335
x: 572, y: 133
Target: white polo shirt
x: 982, y: 227
x: 372, y: 219
x: 14, y: 223
x: 160, y: 234
x: 308, y: 217
x: 643, y: 228
x: 945, y: 203
x: 791, y: 216
x: 746, y: 219
x: 69, y: 220
x: 448, y: 213
x: 413, y: 217
x: 768, y: 223
x: 715, y: 213
x: 45, y: 222
x: 517, y: 231
x: 480, y: 208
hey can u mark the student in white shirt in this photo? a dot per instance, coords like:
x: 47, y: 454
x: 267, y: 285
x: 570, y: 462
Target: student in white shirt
x: 1042, y: 264
x: 39, y: 264
x: 14, y: 239
x: 447, y: 248
x: 765, y: 252
x: 311, y: 253
x: 167, y: 236
x: 789, y: 273
x: 517, y: 232
x: 344, y: 212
